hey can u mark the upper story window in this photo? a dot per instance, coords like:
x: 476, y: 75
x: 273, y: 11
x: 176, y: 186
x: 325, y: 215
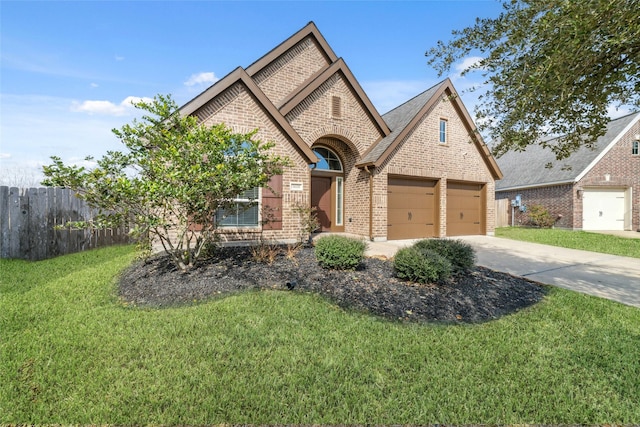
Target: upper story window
x: 328, y: 160
x: 635, y: 150
x: 443, y: 131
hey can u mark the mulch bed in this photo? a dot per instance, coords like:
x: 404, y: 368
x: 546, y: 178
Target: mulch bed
x: 477, y: 296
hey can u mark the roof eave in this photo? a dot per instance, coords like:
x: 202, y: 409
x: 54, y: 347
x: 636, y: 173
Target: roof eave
x: 308, y: 30
x: 240, y: 75
x: 540, y: 185
x: 339, y: 66
x: 407, y: 129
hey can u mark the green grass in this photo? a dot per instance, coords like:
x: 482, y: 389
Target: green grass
x: 594, y: 242
x: 72, y: 353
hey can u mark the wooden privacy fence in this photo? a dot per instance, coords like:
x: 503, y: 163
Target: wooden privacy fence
x: 28, y: 220
x: 502, y: 212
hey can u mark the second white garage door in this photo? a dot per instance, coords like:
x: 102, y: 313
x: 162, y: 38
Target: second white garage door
x: 603, y: 209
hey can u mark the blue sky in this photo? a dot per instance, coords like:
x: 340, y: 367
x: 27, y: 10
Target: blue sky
x: 69, y: 69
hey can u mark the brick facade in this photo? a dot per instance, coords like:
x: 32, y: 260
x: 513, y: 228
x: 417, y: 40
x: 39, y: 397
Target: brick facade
x: 618, y: 168
x: 559, y: 200
x: 422, y: 155
x: 303, y: 85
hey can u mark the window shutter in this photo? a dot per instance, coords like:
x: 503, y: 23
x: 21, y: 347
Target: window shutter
x: 272, y: 204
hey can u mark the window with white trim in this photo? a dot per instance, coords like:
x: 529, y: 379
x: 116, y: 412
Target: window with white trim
x: 339, y: 199
x: 443, y: 131
x: 244, y: 212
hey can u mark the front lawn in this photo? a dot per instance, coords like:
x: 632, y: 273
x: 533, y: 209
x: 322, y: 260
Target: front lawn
x: 583, y: 240
x: 72, y: 353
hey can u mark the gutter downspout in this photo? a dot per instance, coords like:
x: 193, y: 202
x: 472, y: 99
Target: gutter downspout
x: 370, y: 202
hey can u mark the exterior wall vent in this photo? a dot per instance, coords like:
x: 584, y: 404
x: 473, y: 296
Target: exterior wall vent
x: 336, y: 107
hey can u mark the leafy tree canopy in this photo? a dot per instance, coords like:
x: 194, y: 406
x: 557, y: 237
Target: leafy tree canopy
x: 173, y: 178
x: 552, y: 68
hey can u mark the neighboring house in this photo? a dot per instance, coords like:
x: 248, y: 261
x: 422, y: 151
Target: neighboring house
x: 420, y: 170
x: 593, y: 189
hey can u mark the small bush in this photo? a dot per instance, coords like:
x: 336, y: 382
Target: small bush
x: 265, y: 252
x: 421, y: 265
x: 339, y: 252
x: 540, y: 216
x: 460, y: 254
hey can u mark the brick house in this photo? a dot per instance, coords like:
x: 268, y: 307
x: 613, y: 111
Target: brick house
x: 420, y: 170
x: 593, y: 189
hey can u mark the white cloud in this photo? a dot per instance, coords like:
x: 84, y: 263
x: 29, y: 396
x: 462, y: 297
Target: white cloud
x: 119, y: 58
x: 201, y: 79
x: 614, y: 111
x: 468, y: 62
x: 94, y: 85
x: 4, y: 155
x: 107, y: 108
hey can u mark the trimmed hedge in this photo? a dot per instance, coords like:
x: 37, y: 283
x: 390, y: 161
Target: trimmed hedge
x: 340, y: 252
x: 460, y: 254
x: 421, y: 265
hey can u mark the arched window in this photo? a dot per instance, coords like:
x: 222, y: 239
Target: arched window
x: 328, y: 160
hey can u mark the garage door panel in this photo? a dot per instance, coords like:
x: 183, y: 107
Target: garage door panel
x: 409, y: 231
x: 603, y: 209
x: 411, y: 208
x: 464, y: 209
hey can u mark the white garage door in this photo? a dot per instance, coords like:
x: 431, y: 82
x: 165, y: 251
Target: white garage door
x: 603, y: 209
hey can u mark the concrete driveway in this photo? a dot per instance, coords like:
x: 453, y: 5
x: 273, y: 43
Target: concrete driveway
x: 608, y: 276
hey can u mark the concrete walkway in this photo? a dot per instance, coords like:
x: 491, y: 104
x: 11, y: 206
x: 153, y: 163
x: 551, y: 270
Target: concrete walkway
x: 607, y: 276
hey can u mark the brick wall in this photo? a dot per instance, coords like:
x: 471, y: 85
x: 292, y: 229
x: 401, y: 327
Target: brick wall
x: 290, y: 70
x: 558, y: 200
x: 623, y: 170
x: 239, y: 110
x: 563, y: 202
x: 422, y: 155
x: 348, y: 135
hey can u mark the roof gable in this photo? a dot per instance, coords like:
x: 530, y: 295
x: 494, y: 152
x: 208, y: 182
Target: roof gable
x: 321, y: 77
x: 309, y: 30
x: 529, y: 168
x: 240, y: 75
x: 403, y: 119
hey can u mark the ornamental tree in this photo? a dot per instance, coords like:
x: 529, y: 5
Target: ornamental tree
x: 552, y: 68
x: 174, y: 179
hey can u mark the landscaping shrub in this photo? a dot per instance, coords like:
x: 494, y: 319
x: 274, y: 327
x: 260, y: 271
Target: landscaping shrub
x: 460, y: 254
x: 540, y: 216
x: 421, y: 265
x: 339, y: 252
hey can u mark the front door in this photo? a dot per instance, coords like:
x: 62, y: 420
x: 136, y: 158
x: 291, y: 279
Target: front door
x: 321, y: 200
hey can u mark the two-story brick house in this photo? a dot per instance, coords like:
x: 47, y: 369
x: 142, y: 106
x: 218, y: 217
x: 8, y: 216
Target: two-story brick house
x: 593, y: 189
x: 421, y: 170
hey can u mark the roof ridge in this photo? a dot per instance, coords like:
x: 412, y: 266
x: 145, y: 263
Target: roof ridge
x: 416, y: 96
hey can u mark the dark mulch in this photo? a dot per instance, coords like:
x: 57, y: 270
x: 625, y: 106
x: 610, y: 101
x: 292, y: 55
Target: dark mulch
x: 477, y: 296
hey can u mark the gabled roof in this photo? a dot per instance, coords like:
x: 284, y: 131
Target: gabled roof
x: 240, y: 75
x: 403, y: 119
x: 335, y: 65
x: 528, y: 168
x: 308, y: 30
x: 319, y: 78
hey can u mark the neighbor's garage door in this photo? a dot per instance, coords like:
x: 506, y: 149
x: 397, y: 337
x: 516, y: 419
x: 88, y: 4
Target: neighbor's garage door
x: 603, y: 209
x: 411, y: 209
x: 464, y: 209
